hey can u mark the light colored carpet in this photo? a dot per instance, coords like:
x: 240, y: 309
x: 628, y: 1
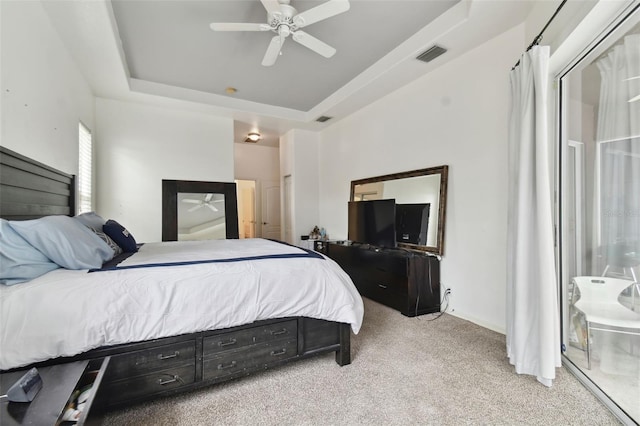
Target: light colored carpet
x: 404, y: 371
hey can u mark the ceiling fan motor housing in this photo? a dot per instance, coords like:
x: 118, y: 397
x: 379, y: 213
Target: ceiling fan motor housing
x: 282, y: 22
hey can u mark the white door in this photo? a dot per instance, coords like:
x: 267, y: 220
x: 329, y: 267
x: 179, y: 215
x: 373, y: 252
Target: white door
x: 271, y: 210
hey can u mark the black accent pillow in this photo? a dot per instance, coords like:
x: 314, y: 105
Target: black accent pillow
x: 121, y: 236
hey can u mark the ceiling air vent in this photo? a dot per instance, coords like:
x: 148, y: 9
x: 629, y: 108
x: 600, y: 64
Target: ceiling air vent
x: 431, y: 53
x: 323, y: 118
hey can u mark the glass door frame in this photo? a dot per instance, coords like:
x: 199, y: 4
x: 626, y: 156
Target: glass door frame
x: 562, y: 141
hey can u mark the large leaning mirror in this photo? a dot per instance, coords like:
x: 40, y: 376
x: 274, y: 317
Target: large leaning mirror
x: 195, y: 210
x: 421, y: 201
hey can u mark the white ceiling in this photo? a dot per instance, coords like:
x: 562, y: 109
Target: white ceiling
x: 170, y: 42
x: 163, y: 52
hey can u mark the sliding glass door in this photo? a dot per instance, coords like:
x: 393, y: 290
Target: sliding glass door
x: 600, y: 215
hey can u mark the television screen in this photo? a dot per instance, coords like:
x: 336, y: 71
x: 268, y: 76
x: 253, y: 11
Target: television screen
x: 412, y: 223
x: 373, y: 222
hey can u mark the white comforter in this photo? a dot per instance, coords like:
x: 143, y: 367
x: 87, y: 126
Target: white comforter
x: 64, y: 312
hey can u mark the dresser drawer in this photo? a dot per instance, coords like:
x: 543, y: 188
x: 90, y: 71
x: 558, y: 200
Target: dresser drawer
x: 145, y: 361
x: 385, y: 261
x: 387, y: 281
x: 150, y: 384
x: 251, y: 358
x: 235, y: 340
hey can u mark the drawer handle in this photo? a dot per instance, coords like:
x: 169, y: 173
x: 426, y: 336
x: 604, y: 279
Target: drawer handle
x: 279, y: 332
x: 278, y: 353
x: 175, y: 354
x: 224, y: 367
x: 382, y: 286
x: 174, y: 379
x: 228, y: 342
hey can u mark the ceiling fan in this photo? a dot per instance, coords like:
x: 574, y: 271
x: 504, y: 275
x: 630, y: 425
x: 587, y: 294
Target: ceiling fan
x: 284, y: 20
x: 206, y: 202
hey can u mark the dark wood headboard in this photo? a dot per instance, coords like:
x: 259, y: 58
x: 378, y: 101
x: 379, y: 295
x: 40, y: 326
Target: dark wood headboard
x: 30, y: 189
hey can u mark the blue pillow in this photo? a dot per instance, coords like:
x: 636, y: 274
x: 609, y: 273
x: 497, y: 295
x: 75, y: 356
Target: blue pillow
x: 20, y: 261
x: 92, y: 220
x: 121, y: 236
x: 66, y: 241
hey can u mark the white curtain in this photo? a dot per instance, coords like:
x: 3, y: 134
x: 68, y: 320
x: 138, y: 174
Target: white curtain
x: 618, y: 137
x: 533, y: 328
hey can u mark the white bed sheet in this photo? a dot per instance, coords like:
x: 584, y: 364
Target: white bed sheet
x: 64, y: 312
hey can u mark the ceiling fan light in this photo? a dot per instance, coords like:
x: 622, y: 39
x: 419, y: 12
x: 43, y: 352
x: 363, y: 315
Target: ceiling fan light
x: 253, y: 137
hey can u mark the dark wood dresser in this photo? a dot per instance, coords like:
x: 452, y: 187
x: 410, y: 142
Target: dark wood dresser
x: 404, y: 280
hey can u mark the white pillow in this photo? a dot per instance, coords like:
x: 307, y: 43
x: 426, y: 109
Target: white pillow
x: 91, y: 219
x: 65, y: 240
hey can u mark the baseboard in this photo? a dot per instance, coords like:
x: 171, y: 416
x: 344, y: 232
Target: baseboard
x: 481, y: 323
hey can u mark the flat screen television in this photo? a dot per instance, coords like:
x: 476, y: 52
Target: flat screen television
x: 373, y: 222
x: 412, y: 222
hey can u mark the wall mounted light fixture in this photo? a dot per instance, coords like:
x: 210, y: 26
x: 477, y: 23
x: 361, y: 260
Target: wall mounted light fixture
x: 253, y: 137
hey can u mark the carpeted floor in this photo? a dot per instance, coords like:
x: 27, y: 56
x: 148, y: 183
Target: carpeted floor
x: 404, y: 371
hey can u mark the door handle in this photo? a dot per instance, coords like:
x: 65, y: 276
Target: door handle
x: 264, y: 223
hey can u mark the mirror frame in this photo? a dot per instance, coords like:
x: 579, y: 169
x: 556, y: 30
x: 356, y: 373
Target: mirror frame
x: 438, y: 249
x: 170, y: 190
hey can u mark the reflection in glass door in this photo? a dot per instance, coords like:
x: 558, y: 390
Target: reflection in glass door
x: 600, y: 216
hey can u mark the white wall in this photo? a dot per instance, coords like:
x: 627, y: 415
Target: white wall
x: 139, y: 146
x: 456, y: 115
x: 43, y: 93
x: 299, y: 159
x: 255, y: 162
x: 259, y: 163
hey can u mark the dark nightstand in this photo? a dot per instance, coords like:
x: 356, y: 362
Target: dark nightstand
x: 58, y: 384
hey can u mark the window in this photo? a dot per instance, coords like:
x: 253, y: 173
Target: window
x: 85, y: 169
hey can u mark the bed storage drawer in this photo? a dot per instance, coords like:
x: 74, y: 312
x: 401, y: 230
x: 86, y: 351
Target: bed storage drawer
x: 156, y: 359
x: 251, y: 358
x: 147, y: 372
x: 249, y: 349
x: 150, y: 384
x: 250, y: 336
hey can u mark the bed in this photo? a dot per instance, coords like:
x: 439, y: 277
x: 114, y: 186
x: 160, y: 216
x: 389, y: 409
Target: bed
x: 172, y: 316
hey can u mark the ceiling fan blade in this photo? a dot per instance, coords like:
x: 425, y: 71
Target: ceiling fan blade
x: 318, y: 13
x: 211, y: 207
x: 208, y: 198
x: 272, y: 6
x: 190, y: 201
x: 314, y: 44
x: 194, y: 208
x: 273, y: 51
x: 231, y: 26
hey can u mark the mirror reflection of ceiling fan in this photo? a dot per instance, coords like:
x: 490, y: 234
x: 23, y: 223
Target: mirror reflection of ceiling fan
x: 206, y: 202
x: 284, y: 20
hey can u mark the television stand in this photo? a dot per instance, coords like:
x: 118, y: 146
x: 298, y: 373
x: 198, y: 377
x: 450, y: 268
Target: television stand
x: 401, y: 279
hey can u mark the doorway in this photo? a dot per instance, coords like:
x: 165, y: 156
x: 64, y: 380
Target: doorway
x: 246, y: 208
